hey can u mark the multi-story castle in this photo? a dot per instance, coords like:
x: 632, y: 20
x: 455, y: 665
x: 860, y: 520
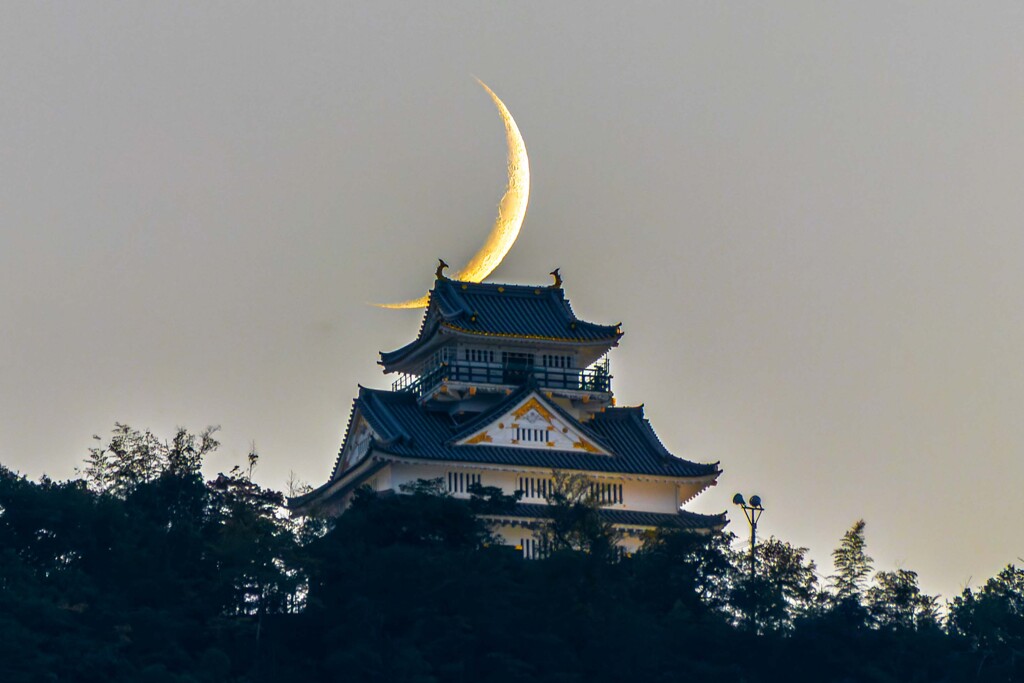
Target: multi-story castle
x: 503, y: 387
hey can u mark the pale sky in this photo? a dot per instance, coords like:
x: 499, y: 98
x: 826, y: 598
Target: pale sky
x: 807, y: 217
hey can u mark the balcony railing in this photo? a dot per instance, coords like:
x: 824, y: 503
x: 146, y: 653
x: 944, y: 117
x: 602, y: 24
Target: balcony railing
x: 596, y: 378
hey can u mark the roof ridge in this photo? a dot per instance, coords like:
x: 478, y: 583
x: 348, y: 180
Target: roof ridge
x: 649, y: 432
x: 348, y: 428
x: 496, y: 285
x: 450, y: 303
x: 682, y: 518
x: 377, y: 410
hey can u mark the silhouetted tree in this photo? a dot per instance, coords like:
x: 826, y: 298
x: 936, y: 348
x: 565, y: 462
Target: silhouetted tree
x: 895, y: 602
x: 576, y: 522
x: 424, y: 515
x: 849, y: 582
x: 852, y: 564
x: 253, y: 546
x: 491, y: 500
x: 131, y: 458
x: 143, y: 571
x: 784, y: 588
x: 991, y: 621
x: 129, y: 573
x: 690, y: 574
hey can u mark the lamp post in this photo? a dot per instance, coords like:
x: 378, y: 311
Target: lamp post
x: 752, y: 512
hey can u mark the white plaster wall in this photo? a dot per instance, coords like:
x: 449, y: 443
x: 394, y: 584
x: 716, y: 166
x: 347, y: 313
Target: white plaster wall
x: 649, y: 496
x: 637, y: 495
x: 687, y: 492
x: 383, y: 479
x: 506, y: 481
x: 402, y: 473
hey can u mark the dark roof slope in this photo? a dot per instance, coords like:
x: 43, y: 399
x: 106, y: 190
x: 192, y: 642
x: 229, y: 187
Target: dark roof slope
x: 519, y: 311
x: 405, y: 428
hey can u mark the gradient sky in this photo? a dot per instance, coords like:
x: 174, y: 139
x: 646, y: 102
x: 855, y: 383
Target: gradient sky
x: 807, y: 217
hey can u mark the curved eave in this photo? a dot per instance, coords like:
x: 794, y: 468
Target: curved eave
x: 700, y: 485
x: 324, y: 494
x: 607, y: 340
x: 404, y: 358
x: 535, y: 515
x: 348, y: 428
x: 703, y: 480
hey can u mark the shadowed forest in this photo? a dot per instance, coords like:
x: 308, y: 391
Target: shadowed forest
x: 142, y: 570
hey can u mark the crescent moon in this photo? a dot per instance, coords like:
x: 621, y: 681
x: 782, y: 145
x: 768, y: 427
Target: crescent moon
x: 511, y: 209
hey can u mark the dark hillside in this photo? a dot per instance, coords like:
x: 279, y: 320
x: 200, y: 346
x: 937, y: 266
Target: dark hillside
x: 142, y: 571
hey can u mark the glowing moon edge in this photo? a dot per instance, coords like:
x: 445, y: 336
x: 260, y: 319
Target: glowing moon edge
x: 511, y: 210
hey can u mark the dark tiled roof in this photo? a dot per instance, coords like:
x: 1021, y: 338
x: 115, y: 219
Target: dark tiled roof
x: 518, y: 311
x: 405, y: 428
x: 683, y: 520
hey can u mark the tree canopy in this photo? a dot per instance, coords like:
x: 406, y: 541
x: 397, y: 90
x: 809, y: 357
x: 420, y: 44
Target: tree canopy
x: 142, y: 569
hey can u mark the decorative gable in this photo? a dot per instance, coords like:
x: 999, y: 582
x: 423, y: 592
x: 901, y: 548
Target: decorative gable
x: 533, y: 424
x: 356, y: 446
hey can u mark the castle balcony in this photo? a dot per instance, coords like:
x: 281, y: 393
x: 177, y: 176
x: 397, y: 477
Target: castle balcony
x: 571, y: 382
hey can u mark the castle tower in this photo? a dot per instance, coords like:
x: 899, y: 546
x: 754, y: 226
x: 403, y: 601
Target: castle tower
x: 502, y: 387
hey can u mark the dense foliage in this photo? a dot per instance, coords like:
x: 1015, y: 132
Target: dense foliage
x: 142, y: 571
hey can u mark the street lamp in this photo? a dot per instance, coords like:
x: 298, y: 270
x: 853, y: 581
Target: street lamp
x: 752, y: 512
